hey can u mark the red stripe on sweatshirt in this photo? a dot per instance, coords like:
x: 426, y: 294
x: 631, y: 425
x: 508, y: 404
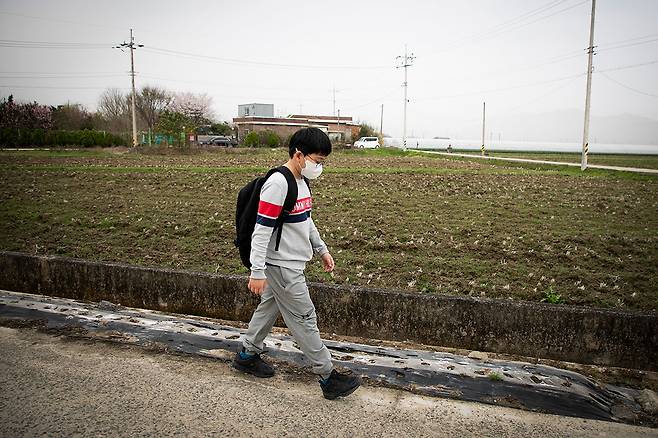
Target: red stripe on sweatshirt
x: 268, y: 209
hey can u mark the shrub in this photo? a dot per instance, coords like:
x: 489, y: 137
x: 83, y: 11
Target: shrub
x: 13, y: 137
x: 38, y: 137
x: 252, y: 140
x: 270, y: 138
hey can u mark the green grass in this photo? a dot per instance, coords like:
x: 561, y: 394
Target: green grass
x: 495, y: 377
x: 426, y: 224
x: 622, y: 160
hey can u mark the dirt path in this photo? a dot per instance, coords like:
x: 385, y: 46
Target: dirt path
x: 63, y: 387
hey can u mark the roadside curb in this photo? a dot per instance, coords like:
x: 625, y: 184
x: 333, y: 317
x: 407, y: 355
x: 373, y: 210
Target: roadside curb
x: 561, y: 332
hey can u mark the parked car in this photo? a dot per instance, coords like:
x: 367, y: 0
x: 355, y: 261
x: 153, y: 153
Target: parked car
x: 367, y: 143
x: 221, y: 140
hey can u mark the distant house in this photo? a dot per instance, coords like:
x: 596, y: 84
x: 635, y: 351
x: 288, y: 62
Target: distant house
x: 341, y: 129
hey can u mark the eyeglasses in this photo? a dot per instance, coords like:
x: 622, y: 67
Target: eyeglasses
x: 316, y: 161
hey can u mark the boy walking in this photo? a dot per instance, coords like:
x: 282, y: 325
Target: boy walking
x: 277, y: 274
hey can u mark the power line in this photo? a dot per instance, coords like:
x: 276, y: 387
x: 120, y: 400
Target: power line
x: 622, y: 46
x: 542, y: 96
x: 377, y: 100
x: 625, y: 67
x: 55, y: 87
x: 34, y: 17
x: 630, y: 39
x: 58, y: 72
x: 494, y: 90
x: 507, y: 111
x: 627, y: 87
x: 51, y: 45
x: 236, y: 61
x: 513, y: 24
x: 498, y: 27
x: 2, y: 76
x: 543, y: 18
x: 207, y: 83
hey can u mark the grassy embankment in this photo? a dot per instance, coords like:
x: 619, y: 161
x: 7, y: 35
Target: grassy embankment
x: 421, y: 223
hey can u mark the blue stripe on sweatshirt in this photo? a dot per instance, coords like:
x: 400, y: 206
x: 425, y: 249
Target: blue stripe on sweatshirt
x: 292, y: 219
x: 265, y: 221
x: 295, y: 218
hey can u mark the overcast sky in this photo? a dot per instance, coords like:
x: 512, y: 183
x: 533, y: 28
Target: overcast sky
x: 521, y: 56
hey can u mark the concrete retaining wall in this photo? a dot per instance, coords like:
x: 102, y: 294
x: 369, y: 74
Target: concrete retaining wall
x: 575, y: 334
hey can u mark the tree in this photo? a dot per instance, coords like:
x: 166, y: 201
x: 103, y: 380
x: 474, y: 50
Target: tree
x: 367, y: 130
x: 221, y: 128
x: 196, y: 107
x: 151, y: 102
x: 114, y: 107
x: 172, y: 123
x: 24, y: 115
x: 72, y: 117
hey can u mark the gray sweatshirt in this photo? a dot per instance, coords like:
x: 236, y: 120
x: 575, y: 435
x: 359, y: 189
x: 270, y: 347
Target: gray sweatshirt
x: 299, y: 236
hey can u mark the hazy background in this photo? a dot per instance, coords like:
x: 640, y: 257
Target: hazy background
x: 526, y: 58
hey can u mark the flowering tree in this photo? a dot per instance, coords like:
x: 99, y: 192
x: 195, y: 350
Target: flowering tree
x: 195, y: 107
x: 24, y: 115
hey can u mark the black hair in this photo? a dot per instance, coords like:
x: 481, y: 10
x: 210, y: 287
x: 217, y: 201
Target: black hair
x: 310, y: 141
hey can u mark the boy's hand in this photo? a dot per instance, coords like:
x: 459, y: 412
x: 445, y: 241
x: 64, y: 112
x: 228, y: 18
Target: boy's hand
x: 328, y: 262
x: 257, y: 286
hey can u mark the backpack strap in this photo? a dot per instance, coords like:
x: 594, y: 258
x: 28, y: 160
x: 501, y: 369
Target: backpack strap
x: 308, y: 184
x: 288, y: 203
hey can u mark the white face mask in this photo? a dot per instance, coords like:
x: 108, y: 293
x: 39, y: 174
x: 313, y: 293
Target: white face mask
x: 311, y: 170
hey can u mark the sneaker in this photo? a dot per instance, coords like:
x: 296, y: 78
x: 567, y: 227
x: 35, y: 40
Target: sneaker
x: 253, y: 365
x: 339, y: 385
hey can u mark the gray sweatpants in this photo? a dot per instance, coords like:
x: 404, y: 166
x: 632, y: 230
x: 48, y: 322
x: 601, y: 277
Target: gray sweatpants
x: 287, y: 292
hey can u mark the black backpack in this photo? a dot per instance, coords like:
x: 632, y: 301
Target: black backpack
x: 247, y: 210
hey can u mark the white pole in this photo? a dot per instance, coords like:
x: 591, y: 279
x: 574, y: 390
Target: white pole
x: 334, y: 100
x: 407, y: 61
x: 484, y: 108
x: 381, y: 122
x: 132, y: 74
x: 590, y: 49
x: 404, y: 127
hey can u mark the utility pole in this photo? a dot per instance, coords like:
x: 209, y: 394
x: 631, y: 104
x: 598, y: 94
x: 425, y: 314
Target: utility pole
x: 484, y: 108
x: 407, y: 61
x: 590, y: 51
x: 334, y: 90
x: 381, y: 122
x: 132, y: 46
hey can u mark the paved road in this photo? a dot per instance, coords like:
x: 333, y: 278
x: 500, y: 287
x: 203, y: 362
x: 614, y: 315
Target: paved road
x: 65, y: 387
x: 557, y: 163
